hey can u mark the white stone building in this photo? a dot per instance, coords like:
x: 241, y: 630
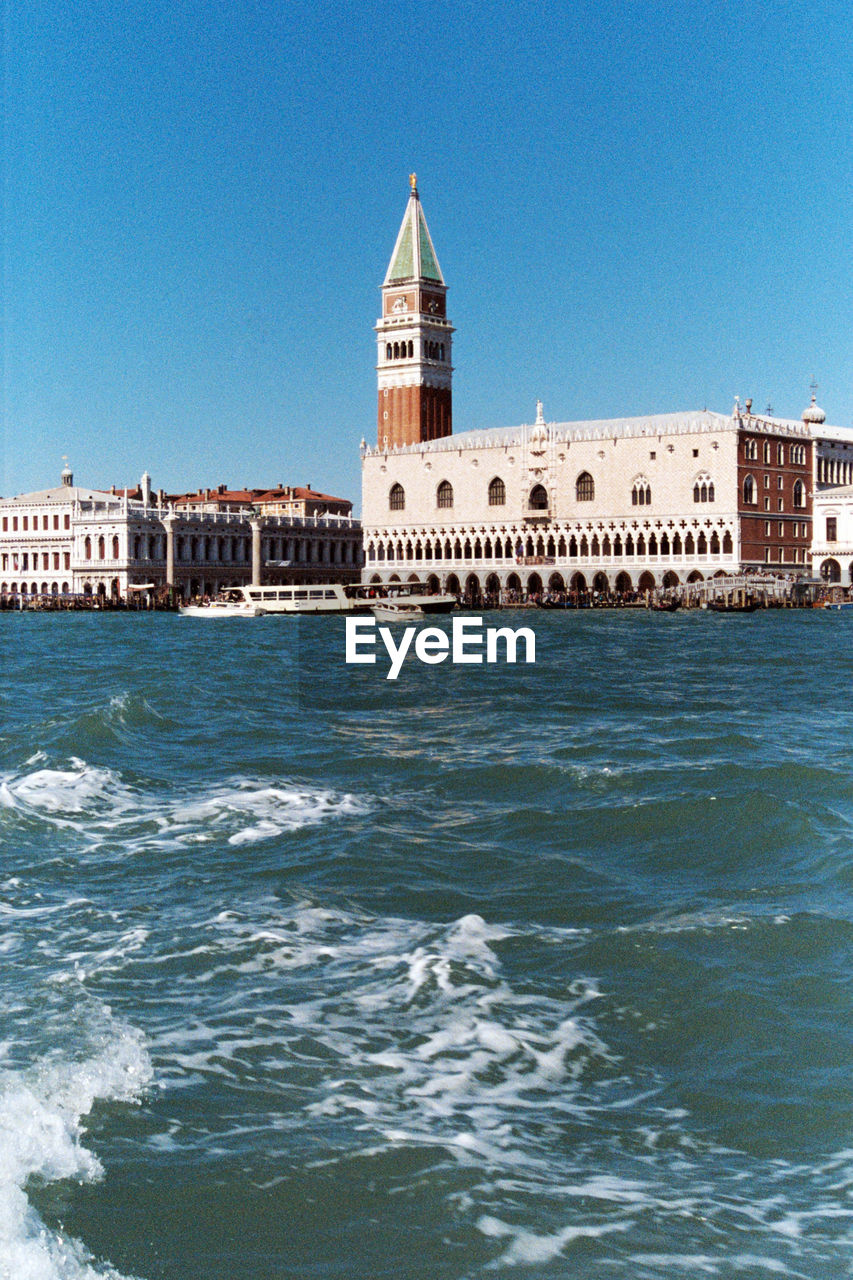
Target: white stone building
x: 74, y: 541
x: 623, y: 505
x: 832, y: 547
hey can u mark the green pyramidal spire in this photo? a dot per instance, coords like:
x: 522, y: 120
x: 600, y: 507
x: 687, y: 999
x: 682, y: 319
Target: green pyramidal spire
x: 414, y: 256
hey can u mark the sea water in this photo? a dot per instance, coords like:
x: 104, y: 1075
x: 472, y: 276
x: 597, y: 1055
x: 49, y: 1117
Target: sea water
x: 537, y: 970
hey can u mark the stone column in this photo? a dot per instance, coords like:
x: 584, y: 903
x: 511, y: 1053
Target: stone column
x: 169, y: 526
x: 257, y: 526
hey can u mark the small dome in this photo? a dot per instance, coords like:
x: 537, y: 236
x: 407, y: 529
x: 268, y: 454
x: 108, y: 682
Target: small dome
x: 814, y: 413
x: 67, y: 476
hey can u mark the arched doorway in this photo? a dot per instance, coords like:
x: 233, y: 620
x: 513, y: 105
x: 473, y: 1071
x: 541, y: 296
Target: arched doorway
x: 623, y: 582
x: 556, y: 582
x: 534, y: 585
x: 493, y: 589
x: 599, y: 582
x: 646, y: 582
x: 670, y: 578
x: 473, y: 594
x: 433, y: 585
x: 830, y: 571
x: 452, y: 585
x: 695, y: 576
x: 578, y: 582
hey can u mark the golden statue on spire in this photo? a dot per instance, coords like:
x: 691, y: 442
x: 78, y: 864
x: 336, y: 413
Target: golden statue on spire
x: 413, y: 181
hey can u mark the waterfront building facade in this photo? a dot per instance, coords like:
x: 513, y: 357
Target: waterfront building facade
x: 624, y: 505
x: 832, y: 549
x: 627, y: 505
x: 126, y: 544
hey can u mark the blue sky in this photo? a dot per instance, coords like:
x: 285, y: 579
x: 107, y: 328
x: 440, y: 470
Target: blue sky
x: 638, y: 207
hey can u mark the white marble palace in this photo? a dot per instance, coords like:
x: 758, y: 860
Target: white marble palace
x: 627, y: 504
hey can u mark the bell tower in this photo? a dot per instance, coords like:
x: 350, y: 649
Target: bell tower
x: 414, y: 370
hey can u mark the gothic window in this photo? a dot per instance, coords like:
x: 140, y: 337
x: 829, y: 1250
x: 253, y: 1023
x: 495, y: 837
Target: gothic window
x: 641, y: 493
x: 538, y: 500
x: 664, y: 544
x: 799, y: 494
x: 703, y: 545
x: 115, y: 548
x: 445, y: 494
x: 653, y: 545
x: 411, y: 349
x: 584, y: 487
x: 497, y: 492
x: 766, y: 450
x: 689, y: 545
x: 749, y: 490
x: 750, y: 450
x: 715, y: 543
x: 397, y: 498
x: 389, y: 351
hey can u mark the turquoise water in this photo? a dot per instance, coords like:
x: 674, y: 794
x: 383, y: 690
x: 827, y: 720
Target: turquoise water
x: 536, y: 971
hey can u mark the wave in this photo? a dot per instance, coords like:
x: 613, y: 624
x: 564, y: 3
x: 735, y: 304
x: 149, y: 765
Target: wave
x: 101, y: 806
x: 41, y: 1137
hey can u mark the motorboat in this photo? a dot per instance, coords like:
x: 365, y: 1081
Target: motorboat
x: 228, y: 606
x: 397, y: 611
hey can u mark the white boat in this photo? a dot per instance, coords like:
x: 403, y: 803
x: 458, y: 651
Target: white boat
x: 231, y: 606
x: 334, y: 597
x: 397, y: 611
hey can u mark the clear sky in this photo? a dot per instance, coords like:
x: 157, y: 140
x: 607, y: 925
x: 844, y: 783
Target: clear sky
x: 638, y: 207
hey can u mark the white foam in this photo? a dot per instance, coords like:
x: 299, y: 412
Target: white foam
x: 41, y: 1135
x: 101, y: 807
x: 527, y: 1247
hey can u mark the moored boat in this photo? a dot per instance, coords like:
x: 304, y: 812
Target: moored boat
x: 727, y: 606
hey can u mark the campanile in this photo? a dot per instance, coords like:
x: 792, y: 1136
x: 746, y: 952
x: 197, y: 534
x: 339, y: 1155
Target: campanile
x: 414, y: 370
